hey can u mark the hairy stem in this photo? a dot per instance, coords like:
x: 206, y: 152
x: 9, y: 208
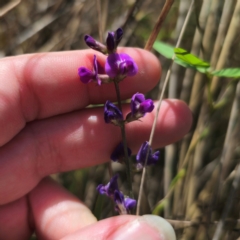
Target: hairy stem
x: 123, y: 133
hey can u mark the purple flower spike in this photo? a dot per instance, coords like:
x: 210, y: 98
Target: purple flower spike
x: 120, y: 66
x: 87, y: 75
x: 142, y: 153
x: 110, y: 188
x: 118, y: 153
x: 92, y: 43
x: 123, y: 204
x: 112, y: 114
x: 139, y: 107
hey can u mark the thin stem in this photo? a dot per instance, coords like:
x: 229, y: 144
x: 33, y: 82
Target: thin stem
x: 159, y: 105
x: 123, y: 133
x: 158, y: 24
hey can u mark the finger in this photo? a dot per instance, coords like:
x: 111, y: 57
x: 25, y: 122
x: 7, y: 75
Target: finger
x: 57, y: 213
x: 14, y: 222
x: 49, y: 210
x: 54, y: 213
x: 126, y: 227
x: 77, y: 140
x: 42, y: 85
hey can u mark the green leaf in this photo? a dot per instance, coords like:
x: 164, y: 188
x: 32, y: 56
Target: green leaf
x: 164, y: 49
x: 227, y: 72
x: 189, y: 58
x: 168, y: 51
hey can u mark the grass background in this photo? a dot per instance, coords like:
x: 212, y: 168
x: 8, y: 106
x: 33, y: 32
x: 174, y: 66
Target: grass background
x: 206, y: 190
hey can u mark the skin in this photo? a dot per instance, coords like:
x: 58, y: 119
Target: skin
x: 46, y: 128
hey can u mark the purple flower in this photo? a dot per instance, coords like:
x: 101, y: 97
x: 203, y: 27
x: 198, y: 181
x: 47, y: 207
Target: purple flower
x: 142, y: 154
x: 112, y: 114
x: 92, y: 43
x: 139, y: 107
x: 118, y: 153
x: 123, y: 204
x: 87, y: 75
x: 110, y: 188
x: 113, y: 39
x: 120, y: 66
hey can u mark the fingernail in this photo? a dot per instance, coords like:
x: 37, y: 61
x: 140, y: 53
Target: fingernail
x: 146, y: 227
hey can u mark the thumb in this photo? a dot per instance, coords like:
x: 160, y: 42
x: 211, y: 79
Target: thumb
x: 127, y: 227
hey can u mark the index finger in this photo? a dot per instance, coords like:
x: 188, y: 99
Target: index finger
x: 37, y: 86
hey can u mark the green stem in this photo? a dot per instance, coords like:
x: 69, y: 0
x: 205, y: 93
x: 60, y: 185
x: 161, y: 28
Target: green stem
x: 123, y: 133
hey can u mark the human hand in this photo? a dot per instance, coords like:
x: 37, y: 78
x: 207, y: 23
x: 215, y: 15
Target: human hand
x: 46, y: 128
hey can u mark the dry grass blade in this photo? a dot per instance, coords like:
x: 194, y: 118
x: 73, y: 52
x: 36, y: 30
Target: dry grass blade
x: 8, y: 7
x: 231, y: 35
x: 159, y: 105
x: 174, y: 83
x: 228, y: 204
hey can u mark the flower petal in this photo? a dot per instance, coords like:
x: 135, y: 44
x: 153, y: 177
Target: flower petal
x: 120, y: 65
x: 142, y: 154
x: 110, y: 188
x: 112, y: 114
x: 129, y: 203
x: 136, y: 100
x: 119, y: 34
x: 85, y: 75
x: 146, y: 106
x: 92, y: 43
x: 110, y: 42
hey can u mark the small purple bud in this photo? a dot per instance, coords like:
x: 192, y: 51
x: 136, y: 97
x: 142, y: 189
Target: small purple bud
x: 120, y: 66
x: 118, y: 34
x: 113, y: 39
x: 142, y: 154
x: 110, y: 188
x: 110, y: 42
x: 92, y: 43
x: 112, y: 114
x: 123, y: 204
x: 118, y: 153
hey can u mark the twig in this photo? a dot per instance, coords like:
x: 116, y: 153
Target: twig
x: 156, y: 29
